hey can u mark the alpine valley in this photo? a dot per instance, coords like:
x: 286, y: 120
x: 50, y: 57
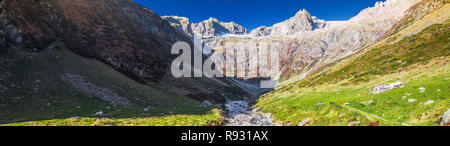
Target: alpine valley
x: 108, y: 62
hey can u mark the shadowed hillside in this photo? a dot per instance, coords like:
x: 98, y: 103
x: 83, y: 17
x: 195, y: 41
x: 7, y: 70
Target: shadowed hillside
x: 98, y: 58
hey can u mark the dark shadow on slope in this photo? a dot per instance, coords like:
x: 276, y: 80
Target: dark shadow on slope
x: 36, y: 91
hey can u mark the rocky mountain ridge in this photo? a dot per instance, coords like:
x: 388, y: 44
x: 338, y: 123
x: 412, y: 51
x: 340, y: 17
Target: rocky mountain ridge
x: 308, y: 43
x: 403, y: 74
x: 208, y: 28
x: 130, y: 38
x: 301, y: 22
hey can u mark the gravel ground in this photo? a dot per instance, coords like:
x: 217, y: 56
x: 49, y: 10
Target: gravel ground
x: 239, y: 114
x: 81, y: 84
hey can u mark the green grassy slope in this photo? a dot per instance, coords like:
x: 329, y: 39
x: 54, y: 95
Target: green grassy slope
x: 420, y: 59
x: 37, y: 93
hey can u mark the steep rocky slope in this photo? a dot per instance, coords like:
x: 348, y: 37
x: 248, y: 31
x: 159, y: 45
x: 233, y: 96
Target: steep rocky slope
x: 410, y: 68
x: 308, y: 43
x: 208, y: 28
x: 334, y: 43
x: 300, y: 23
x: 416, y: 13
x: 106, y: 62
x: 68, y: 89
x: 41, y: 43
x: 119, y: 32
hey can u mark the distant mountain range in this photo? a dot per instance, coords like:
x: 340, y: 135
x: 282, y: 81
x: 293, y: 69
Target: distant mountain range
x: 306, y: 42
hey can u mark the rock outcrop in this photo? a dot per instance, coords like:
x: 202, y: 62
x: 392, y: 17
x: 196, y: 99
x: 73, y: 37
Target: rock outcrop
x: 416, y: 13
x: 239, y: 115
x: 130, y: 38
x: 445, y: 119
x: 308, y: 43
x: 301, y: 22
x: 208, y: 28
x: 80, y: 83
x: 182, y: 24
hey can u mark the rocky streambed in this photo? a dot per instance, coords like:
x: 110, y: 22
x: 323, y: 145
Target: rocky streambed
x: 240, y: 113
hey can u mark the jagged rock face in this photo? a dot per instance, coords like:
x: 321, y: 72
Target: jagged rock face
x: 301, y: 22
x: 385, y: 10
x: 308, y: 43
x: 131, y: 38
x: 208, y: 28
x: 180, y: 23
x: 333, y: 43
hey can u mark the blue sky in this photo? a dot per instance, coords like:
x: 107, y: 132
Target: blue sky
x: 254, y: 13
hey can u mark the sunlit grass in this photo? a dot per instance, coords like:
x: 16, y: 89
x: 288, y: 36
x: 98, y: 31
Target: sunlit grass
x: 211, y: 118
x: 421, y: 60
